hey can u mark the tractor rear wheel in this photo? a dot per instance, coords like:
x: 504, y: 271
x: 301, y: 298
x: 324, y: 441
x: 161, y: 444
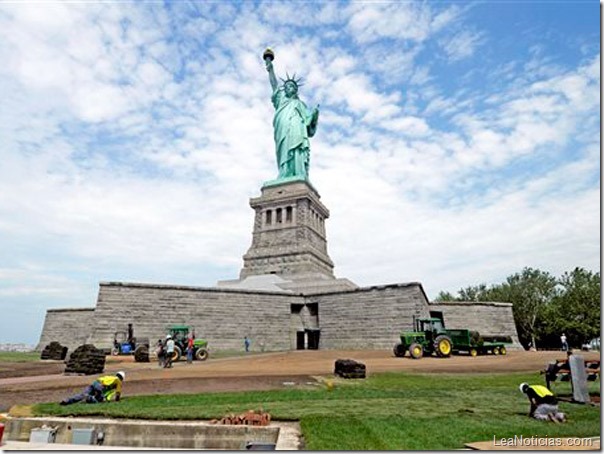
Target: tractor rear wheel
x: 495, y: 350
x: 201, y: 354
x: 416, y: 350
x: 502, y: 350
x: 177, y: 353
x: 399, y: 350
x: 443, y: 346
x: 473, y: 352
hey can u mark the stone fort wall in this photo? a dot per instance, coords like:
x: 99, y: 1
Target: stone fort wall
x: 488, y: 318
x: 362, y: 318
x: 370, y: 317
x: 70, y: 327
x: 221, y: 316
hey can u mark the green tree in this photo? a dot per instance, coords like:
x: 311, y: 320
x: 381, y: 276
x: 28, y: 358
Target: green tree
x: 543, y: 306
x: 576, y: 309
x: 529, y: 291
x: 473, y: 293
x: 445, y: 296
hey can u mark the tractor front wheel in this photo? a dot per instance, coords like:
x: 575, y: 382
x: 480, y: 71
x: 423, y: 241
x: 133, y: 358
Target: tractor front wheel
x: 495, y: 350
x: 443, y: 346
x: 473, y: 352
x: 416, y: 350
x: 201, y: 354
x: 399, y: 350
x: 502, y: 350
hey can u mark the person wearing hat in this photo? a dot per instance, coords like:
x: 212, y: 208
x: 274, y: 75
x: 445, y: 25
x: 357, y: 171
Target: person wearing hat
x: 544, y: 405
x: 104, y: 389
x: 169, y: 351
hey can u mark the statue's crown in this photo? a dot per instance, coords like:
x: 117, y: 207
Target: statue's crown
x: 292, y: 79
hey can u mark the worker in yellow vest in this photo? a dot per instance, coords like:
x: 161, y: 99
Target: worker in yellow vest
x: 544, y: 405
x: 104, y: 389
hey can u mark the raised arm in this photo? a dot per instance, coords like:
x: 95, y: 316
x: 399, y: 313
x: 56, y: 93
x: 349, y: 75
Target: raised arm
x: 271, y: 75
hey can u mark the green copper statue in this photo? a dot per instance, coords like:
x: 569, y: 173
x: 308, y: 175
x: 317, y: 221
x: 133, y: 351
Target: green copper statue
x: 293, y: 123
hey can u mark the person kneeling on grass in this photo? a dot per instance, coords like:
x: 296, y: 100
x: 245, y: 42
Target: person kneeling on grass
x: 544, y: 405
x: 104, y: 389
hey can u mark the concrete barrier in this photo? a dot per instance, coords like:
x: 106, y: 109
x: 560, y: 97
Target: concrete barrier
x: 152, y: 434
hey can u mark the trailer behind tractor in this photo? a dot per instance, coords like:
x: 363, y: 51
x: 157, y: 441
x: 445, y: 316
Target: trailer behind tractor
x: 431, y: 337
x: 471, y: 342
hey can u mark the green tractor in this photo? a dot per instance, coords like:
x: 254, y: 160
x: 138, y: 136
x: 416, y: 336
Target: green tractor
x: 428, y: 338
x: 180, y: 334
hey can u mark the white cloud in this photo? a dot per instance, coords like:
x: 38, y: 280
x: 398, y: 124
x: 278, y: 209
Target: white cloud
x: 412, y: 126
x: 462, y: 45
x: 445, y: 18
x: 402, y: 20
x: 356, y: 92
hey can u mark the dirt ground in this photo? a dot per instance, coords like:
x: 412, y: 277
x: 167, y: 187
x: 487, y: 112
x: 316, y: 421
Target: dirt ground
x: 31, y: 368
x: 27, y: 383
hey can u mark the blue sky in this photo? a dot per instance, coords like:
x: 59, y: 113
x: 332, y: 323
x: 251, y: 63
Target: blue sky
x: 458, y: 142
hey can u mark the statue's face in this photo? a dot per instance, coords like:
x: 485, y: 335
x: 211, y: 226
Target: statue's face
x: 290, y: 89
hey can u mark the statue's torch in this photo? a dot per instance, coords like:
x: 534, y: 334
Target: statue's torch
x: 268, y: 55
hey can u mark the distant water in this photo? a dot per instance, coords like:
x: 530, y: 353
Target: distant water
x: 16, y: 348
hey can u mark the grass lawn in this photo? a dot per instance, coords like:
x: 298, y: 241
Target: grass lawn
x: 390, y: 411
x: 19, y: 357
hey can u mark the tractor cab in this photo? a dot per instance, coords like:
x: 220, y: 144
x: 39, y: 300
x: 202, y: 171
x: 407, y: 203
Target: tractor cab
x: 435, y: 325
x: 121, y: 344
x: 180, y: 333
x: 430, y: 327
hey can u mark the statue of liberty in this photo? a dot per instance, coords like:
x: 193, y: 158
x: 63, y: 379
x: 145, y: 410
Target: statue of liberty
x: 293, y: 124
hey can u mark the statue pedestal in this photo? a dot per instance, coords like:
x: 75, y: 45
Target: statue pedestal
x: 289, y: 232
x: 286, y: 180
